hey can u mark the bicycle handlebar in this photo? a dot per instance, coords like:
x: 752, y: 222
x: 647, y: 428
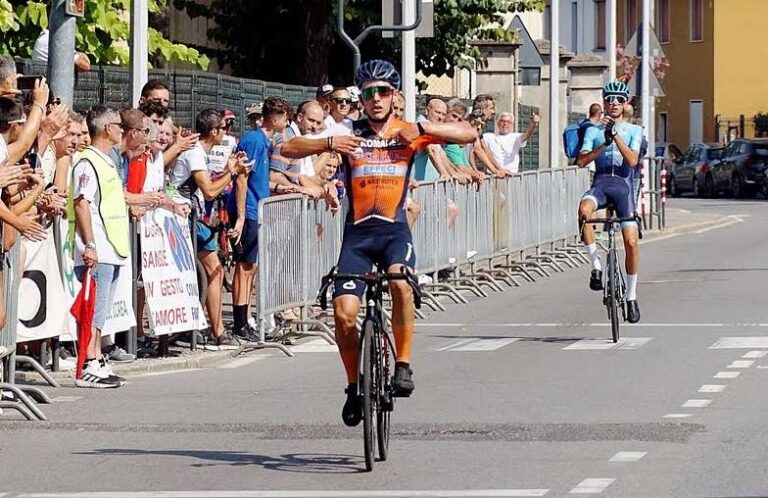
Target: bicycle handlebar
x: 369, y: 278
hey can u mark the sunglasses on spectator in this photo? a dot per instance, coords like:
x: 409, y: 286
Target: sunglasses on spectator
x: 616, y: 99
x: 383, y: 91
x: 342, y: 101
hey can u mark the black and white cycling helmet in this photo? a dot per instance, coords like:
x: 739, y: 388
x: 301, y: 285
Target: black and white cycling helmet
x: 377, y: 70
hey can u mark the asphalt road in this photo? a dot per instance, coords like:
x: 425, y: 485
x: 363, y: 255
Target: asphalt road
x: 518, y: 394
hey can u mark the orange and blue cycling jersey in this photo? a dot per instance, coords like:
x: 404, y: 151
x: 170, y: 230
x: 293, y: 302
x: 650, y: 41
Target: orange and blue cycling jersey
x: 377, y: 173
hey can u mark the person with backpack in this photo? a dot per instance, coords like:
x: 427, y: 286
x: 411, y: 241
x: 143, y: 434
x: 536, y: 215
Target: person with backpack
x: 573, y: 136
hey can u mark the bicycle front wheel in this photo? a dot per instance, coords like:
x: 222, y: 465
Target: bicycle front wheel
x: 386, y: 401
x: 367, y: 377
x: 613, y: 302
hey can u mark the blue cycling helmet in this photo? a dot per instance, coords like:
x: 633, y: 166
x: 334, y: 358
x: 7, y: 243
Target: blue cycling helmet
x: 616, y: 89
x: 377, y: 70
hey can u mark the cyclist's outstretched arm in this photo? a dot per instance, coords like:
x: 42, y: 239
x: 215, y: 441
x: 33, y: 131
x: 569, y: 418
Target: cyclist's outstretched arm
x: 459, y: 133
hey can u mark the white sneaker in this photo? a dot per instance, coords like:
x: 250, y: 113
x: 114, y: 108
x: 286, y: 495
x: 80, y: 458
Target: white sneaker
x: 95, y: 376
x: 252, y: 323
x: 425, y: 280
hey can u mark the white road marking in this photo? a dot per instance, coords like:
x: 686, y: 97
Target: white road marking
x: 741, y: 364
x: 677, y: 415
x: 755, y: 354
x: 241, y: 362
x: 489, y: 344
x: 712, y: 388
x: 624, y: 343
x: 592, y: 486
x: 727, y: 375
x: 759, y: 342
x: 696, y: 403
x: 437, y: 493
x: 315, y: 346
x: 65, y: 399
x: 628, y: 456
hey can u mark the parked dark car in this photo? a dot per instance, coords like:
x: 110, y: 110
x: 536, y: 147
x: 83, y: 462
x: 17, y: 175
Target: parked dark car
x: 742, y: 169
x: 694, y: 172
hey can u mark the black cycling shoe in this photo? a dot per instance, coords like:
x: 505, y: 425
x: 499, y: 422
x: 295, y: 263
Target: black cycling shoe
x: 352, y: 413
x: 633, y: 311
x: 403, y: 383
x: 596, y: 280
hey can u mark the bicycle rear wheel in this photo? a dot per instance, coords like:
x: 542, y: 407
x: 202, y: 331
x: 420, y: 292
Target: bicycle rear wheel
x: 613, y: 302
x: 386, y: 401
x: 367, y: 377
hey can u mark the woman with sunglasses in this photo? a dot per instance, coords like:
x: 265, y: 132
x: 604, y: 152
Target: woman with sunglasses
x: 615, y: 148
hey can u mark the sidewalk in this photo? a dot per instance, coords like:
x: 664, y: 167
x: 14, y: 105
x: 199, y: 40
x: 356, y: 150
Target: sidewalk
x: 678, y: 222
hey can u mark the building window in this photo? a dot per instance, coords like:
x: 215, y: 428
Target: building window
x: 632, y: 17
x: 697, y: 20
x: 600, y: 21
x: 665, y: 31
x: 661, y: 132
x: 575, y: 27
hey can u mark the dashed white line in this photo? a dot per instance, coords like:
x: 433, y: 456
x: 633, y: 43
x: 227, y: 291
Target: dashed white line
x: 482, y: 344
x: 677, y: 415
x: 696, y: 403
x: 727, y: 375
x: 241, y: 362
x: 755, y: 354
x: 437, y: 493
x: 64, y: 399
x: 754, y: 342
x: 592, y: 486
x: 628, y: 456
x: 741, y: 364
x: 712, y: 388
x: 592, y: 344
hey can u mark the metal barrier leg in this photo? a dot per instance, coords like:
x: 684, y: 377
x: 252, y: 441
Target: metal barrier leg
x: 253, y: 346
x: 26, y: 360
x: 445, y: 289
x: 24, y: 399
x: 36, y: 394
x: 12, y: 405
x: 430, y: 300
x: 325, y: 331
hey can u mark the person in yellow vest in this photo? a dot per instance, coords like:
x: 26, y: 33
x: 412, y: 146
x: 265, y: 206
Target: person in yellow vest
x: 99, y: 225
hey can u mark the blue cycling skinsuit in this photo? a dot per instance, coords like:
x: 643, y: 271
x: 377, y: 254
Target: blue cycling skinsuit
x: 613, y: 175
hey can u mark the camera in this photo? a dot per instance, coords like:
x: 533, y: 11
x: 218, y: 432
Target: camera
x: 27, y: 83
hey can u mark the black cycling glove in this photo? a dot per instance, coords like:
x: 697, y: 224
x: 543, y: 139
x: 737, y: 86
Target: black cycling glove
x: 609, y: 132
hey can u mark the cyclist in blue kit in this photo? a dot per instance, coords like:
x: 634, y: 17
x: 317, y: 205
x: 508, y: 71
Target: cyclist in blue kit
x: 615, y: 149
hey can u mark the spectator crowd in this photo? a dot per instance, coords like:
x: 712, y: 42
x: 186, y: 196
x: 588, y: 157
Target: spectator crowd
x: 101, y: 167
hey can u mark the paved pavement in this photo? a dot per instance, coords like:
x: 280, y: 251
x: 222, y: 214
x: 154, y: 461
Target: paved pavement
x: 518, y: 394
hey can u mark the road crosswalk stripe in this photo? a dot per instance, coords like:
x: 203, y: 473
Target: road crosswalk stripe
x: 597, y: 344
x: 383, y: 493
x: 481, y: 344
x: 754, y: 342
x: 315, y: 346
x: 592, y: 486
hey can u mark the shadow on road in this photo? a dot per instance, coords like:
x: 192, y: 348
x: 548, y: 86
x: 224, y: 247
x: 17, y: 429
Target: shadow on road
x: 550, y: 339
x: 310, y: 463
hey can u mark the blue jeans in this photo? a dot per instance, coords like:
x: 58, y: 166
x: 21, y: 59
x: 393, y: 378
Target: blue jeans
x: 105, y: 276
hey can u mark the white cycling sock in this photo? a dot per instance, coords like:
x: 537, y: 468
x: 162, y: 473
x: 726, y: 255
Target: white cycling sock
x: 632, y: 287
x: 594, y: 258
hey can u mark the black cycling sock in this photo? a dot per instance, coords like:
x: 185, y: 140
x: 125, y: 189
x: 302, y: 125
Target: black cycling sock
x: 238, y: 314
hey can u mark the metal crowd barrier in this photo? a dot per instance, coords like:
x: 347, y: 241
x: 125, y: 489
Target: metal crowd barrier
x: 13, y: 397
x: 467, y: 238
x: 652, y: 198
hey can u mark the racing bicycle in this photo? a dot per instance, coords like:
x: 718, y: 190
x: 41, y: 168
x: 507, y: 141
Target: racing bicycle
x: 375, y: 358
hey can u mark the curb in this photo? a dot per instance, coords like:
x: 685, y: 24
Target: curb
x: 144, y: 366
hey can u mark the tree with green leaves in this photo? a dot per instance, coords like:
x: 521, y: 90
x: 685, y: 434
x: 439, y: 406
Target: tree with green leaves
x: 295, y: 41
x: 102, y: 34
